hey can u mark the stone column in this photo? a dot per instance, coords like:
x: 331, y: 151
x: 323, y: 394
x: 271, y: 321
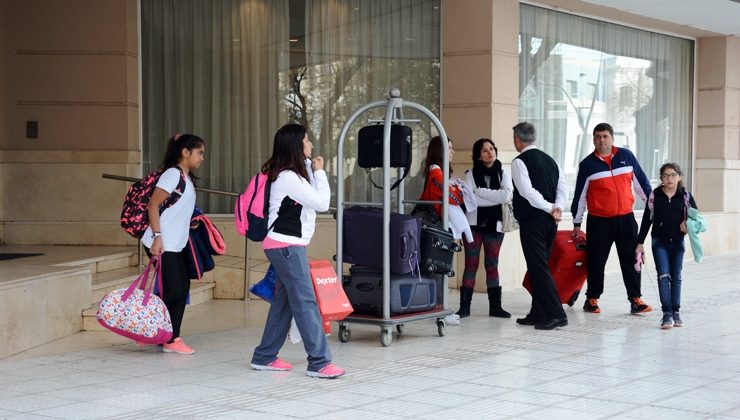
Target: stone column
x: 480, y: 72
x: 480, y: 97
x: 718, y: 124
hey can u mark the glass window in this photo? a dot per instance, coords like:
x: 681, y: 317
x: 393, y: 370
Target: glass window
x: 234, y: 71
x: 576, y: 72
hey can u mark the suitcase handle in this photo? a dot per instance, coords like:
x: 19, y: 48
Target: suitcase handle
x: 407, y: 250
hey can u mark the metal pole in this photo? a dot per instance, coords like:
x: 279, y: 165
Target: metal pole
x: 340, y: 177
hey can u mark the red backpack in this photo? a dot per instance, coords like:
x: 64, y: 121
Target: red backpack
x: 135, y: 216
x: 251, y: 209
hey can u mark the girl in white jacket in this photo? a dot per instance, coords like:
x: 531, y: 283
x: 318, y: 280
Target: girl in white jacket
x: 294, y: 202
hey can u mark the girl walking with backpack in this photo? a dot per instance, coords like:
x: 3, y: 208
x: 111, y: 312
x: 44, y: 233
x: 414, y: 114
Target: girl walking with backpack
x: 293, y: 204
x: 167, y: 234
x: 667, y: 212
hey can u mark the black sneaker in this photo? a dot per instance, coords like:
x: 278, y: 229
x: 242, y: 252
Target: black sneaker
x: 637, y: 306
x: 677, y: 321
x: 591, y: 305
x: 667, y: 322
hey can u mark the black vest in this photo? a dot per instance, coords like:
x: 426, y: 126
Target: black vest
x: 543, y: 173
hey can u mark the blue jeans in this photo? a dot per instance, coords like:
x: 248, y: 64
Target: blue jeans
x: 668, y: 256
x: 294, y: 298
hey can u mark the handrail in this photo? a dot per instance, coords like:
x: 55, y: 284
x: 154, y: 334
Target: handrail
x: 206, y: 190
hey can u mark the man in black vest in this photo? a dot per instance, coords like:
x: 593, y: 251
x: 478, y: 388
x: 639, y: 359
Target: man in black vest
x: 539, y: 197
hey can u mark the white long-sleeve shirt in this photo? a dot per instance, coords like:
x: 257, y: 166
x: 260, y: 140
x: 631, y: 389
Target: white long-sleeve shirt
x: 289, y: 189
x: 486, y: 197
x: 520, y: 177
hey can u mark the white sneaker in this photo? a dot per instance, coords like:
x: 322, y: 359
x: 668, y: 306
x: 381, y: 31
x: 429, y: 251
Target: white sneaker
x: 452, y: 319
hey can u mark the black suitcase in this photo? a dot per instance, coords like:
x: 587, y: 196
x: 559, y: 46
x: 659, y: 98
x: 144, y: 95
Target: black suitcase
x: 409, y: 292
x: 370, y: 146
x: 362, y: 239
x: 437, y: 249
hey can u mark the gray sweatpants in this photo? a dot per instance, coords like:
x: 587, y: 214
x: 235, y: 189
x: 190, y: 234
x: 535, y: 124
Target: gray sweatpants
x: 294, y: 297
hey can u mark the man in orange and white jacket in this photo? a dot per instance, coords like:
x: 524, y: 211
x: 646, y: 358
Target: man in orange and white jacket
x: 605, y: 186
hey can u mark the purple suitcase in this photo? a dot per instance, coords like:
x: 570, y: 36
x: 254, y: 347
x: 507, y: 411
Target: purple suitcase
x: 409, y: 292
x: 363, y: 239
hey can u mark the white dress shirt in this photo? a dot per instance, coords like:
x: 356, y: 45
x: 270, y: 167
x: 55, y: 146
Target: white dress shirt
x: 520, y: 177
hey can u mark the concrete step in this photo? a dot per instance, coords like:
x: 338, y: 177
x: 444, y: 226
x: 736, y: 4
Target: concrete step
x: 200, y: 292
x: 107, y: 281
x: 105, y: 263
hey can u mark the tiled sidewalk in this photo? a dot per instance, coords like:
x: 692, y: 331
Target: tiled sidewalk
x: 608, y: 365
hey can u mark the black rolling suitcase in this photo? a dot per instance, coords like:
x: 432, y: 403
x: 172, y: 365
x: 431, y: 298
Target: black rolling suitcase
x: 363, y: 239
x: 437, y: 249
x: 409, y: 292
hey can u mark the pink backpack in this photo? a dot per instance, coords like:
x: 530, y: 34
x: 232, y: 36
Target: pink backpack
x: 134, y: 215
x: 251, y: 209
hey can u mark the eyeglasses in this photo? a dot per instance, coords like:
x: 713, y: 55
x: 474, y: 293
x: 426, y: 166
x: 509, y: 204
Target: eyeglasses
x: 669, y: 176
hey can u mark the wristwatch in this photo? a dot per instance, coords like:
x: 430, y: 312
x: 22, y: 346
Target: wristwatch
x: 155, y: 234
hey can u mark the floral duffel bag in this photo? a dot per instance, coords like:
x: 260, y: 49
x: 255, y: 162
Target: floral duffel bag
x: 135, y: 312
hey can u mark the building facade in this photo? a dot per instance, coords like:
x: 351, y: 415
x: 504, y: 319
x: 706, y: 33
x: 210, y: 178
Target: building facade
x: 78, y: 80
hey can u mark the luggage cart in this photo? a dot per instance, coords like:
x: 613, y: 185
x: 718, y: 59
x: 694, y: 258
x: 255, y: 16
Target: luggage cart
x: 393, y: 114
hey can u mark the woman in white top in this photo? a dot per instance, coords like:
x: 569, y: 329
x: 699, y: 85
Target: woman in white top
x: 492, y: 187
x: 169, y: 228
x: 294, y: 201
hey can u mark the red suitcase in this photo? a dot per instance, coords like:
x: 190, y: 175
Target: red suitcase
x: 568, y: 266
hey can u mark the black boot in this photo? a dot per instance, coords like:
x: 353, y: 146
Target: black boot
x: 466, y: 295
x: 494, y: 303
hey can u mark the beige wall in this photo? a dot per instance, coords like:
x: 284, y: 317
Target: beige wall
x: 73, y: 67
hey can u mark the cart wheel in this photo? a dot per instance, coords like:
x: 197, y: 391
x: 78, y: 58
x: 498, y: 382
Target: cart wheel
x: 386, y: 337
x: 573, y: 298
x: 399, y: 328
x: 441, y: 327
x: 344, y: 333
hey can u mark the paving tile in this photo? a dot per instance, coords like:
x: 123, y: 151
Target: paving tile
x: 31, y: 402
x: 82, y: 410
x: 611, y: 365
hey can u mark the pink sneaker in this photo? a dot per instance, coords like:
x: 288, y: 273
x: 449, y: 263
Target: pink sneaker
x: 178, y: 346
x: 277, y: 364
x: 140, y: 344
x: 329, y: 371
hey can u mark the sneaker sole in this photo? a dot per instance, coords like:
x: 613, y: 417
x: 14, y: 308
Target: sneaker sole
x: 666, y: 327
x: 269, y: 368
x: 166, y: 350
x: 678, y: 325
x: 322, y: 376
x: 644, y: 311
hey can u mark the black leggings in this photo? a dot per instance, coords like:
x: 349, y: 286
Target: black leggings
x: 176, y: 285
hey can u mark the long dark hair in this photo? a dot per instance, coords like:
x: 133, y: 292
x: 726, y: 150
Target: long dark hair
x: 287, y: 152
x: 477, y: 163
x: 675, y: 167
x: 434, y: 154
x: 175, y: 145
